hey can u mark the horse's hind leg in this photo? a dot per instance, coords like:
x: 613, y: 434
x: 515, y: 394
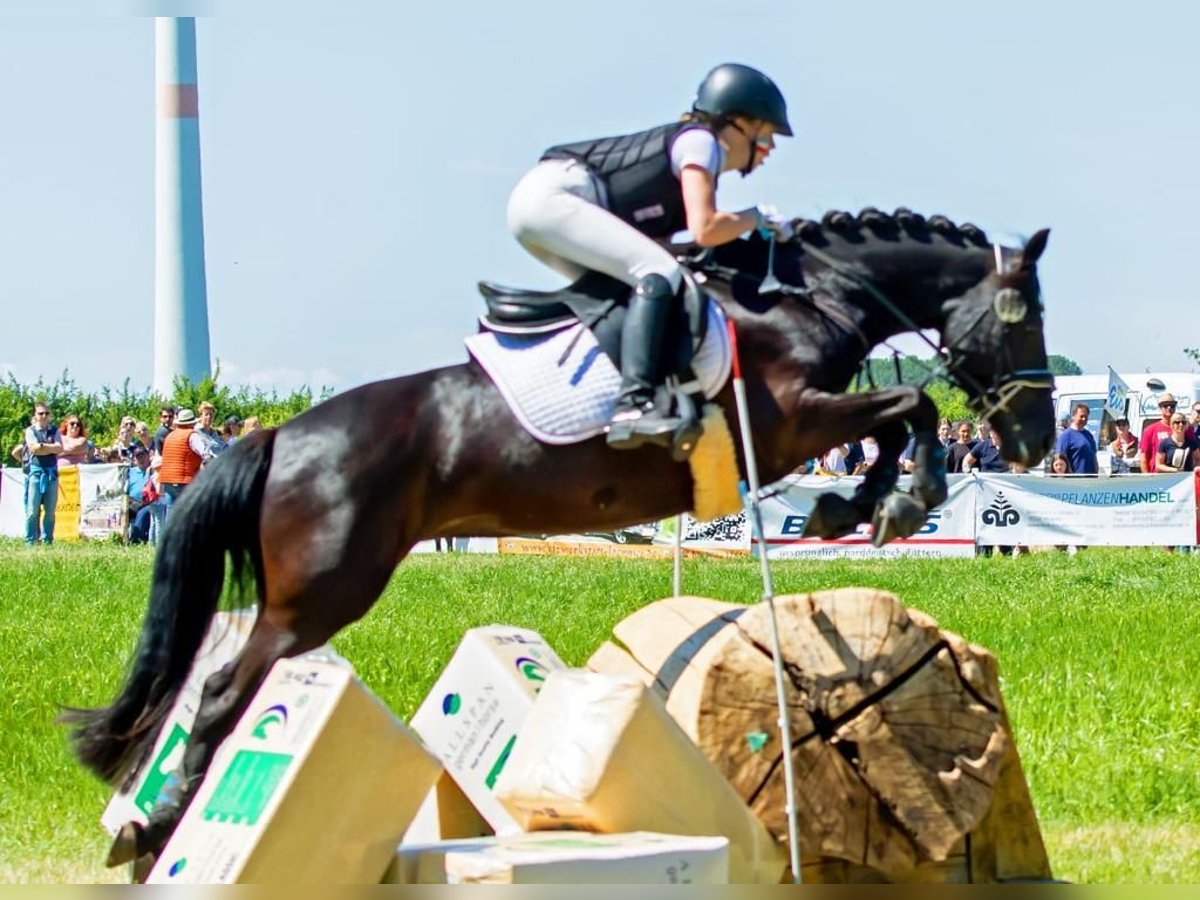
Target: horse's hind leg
x: 225, y: 697
x: 310, y: 596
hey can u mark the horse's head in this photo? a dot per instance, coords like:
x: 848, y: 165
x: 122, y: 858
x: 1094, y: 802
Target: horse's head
x: 997, y: 353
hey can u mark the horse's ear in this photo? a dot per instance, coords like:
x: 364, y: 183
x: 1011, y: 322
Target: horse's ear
x: 1033, y: 250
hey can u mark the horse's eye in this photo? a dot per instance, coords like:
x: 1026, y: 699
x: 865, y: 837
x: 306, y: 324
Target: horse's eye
x: 1010, y: 306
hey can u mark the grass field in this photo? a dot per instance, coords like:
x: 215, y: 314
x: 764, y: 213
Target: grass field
x: 1097, y: 653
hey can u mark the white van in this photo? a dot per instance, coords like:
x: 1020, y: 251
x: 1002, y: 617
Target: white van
x: 1141, y: 403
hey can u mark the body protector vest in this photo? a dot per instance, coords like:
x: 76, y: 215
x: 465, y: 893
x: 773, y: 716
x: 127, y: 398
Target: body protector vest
x: 636, y: 172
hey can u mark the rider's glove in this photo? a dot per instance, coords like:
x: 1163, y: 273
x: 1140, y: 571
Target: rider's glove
x: 770, y: 221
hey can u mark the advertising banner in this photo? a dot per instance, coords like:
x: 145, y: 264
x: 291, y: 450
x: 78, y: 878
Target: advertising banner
x: 66, y: 513
x: 102, y: 502
x: 1117, y: 511
x: 948, y: 531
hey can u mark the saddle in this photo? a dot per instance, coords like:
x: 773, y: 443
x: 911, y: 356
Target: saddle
x: 599, y: 302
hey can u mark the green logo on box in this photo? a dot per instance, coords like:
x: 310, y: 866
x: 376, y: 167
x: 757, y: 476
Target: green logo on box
x: 246, y: 787
x: 161, y: 769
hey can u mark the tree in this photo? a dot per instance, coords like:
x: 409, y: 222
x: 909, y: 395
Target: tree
x: 1062, y: 365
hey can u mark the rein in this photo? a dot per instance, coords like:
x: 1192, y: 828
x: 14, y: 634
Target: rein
x: 987, y: 401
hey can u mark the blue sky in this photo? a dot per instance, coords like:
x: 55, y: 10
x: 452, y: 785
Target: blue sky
x: 356, y: 166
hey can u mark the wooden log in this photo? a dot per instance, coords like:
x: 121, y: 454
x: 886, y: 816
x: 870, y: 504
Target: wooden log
x: 898, y: 730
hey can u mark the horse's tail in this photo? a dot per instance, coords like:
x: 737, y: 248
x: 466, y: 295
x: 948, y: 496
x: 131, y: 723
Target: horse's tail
x: 215, y: 516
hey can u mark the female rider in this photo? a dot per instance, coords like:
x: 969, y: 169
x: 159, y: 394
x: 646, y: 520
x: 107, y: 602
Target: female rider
x: 606, y: 204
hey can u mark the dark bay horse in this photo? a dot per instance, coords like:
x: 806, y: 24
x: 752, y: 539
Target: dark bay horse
x: 317, y: 513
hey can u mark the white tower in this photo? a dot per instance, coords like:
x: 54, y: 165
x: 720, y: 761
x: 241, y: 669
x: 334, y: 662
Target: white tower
x: 180, y: 291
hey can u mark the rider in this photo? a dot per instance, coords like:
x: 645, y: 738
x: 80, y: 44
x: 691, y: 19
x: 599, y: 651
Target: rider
x: 610, y: 204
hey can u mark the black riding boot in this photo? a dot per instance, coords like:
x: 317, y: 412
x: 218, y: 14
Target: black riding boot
x: 636, y: 420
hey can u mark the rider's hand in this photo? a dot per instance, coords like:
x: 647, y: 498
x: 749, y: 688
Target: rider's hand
x: 770, y: 221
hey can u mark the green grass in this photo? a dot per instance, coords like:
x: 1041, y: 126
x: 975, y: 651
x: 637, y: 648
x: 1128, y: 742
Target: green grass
x: 1096, y: 654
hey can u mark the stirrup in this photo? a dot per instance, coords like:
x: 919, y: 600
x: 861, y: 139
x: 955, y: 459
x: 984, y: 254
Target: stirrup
x: 627, y: 431
x: 687, y: 435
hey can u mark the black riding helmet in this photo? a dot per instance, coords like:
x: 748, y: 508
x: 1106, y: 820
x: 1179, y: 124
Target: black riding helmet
x: 733, y: 89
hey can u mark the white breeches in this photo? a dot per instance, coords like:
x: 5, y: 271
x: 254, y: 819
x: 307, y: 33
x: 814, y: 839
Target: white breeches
x: 555, y: 214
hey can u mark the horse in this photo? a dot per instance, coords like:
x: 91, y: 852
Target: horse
x: 316, y: 514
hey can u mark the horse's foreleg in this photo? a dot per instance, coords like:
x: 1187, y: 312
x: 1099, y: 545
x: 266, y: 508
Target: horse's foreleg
x: 902, y: 514
x: 884, y: 415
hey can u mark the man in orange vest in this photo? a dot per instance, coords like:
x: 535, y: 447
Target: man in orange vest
x: 184, y: 452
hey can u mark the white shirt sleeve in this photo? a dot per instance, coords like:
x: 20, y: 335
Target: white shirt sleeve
x: 200, y: 445
x: 696, y: 147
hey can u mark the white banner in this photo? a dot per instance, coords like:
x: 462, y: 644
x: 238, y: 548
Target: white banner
x: 948, y: 531
x: 1118, y: 511
x: 12, y: 502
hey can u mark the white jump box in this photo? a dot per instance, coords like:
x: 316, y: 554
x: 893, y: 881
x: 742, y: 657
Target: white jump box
x: 315, y: 785
x: 474, y: 710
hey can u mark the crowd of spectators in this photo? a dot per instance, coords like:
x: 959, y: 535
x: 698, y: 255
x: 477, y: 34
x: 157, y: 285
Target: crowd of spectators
x: 1170, y: 445
x: 160, y: 466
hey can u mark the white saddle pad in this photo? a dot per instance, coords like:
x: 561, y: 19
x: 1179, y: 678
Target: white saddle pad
x: 564, y: 401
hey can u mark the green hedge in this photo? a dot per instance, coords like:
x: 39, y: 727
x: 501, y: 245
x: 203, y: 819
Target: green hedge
x: 102, y: 411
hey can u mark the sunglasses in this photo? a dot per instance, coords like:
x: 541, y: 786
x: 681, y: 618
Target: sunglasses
x: 1167, y: 405
x: 72, y: 424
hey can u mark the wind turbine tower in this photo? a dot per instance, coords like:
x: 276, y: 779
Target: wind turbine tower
x: 180, y: 291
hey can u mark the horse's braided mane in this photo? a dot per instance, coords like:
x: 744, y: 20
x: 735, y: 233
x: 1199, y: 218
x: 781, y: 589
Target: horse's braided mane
x: 903, y: 220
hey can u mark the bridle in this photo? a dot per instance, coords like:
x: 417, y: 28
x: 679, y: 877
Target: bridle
x: 985, y: 401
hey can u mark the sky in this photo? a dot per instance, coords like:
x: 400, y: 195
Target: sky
x: 356, y: 166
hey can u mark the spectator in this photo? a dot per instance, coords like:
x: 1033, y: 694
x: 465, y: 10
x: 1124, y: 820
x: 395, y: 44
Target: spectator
x: 184, y: 452
x: 855, y: 458
x: 1178, y: 450
x: 1077, y: 443
x: 127, y: 441
x: 907, y: 461
x: 250, y: 426
x: 1196, y: 418
x: 207, y: 412
x: 139, y: 503
x: 834, y: 461
x: 76, y: 448
x: 1123, y: 449
x: 43, y: 444
x: 870, y: 451
x: 1060, y: 465
x: 166, y: 421
x: 20, y: 454
x: 984, y: 454
x: 142, y: 432
x: 945, y: 433
x: 1152, y: 434
x: 233, y: 427
x: 957, y: 452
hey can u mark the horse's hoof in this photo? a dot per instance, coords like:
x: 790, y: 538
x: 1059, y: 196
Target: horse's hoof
x: 141, y: 868
x: 832, y: 516
x: 124, y: 847
x: 898, y: 515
